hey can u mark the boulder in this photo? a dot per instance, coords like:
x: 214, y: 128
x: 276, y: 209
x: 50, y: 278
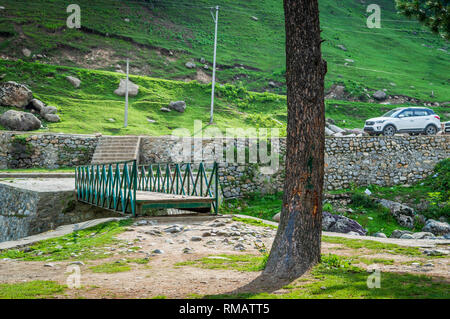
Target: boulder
x: 398, y: 233
x: 74, y: 81
x: 14, y: 94
x: 54, y: 118
x: 26, y: 52
x: 133, y: 89
x: 422, y: 235
x: 402, y: 213
x: 328, y: 132
x: 340, y: 224
x: 277, y: 217
x: 436, y: 228
x: 190, y: 65
x: 380, y: 235
x: 380, y: 95
x: 48, y: 110
x: 336, y: 92
x: 19, y: 121
x: 335, y: 129
x: 37, y: 104
x: 179, y: 106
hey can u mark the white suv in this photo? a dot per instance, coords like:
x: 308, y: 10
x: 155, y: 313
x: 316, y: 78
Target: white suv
x: 413, y: 120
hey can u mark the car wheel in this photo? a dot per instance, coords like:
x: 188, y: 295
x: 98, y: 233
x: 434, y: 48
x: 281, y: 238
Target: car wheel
x: 389, y: 130
x: 430, y: 130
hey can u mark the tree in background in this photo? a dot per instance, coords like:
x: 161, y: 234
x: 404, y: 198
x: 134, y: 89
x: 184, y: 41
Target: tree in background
x: 432, y: 13
x: 296, y: 247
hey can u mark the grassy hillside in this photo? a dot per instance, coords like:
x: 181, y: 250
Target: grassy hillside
x: 402, y: 57
x: 95, y: 108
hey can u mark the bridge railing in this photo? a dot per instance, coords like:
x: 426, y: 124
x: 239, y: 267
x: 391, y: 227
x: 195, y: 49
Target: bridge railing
x: 111, y: 186
x: 190, y: 179
x: 114, y: 186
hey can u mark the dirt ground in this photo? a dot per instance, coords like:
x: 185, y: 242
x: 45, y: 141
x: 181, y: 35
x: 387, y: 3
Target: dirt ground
x: 162, y: 277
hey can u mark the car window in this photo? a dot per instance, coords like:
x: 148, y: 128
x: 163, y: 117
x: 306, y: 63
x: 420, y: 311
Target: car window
x: 420, y: 113
x: 406, y: 113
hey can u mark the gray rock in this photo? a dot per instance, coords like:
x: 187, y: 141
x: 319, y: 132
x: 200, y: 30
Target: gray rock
x: 37, y: 104
x: 277, y: 217
x: 26, y: 52
x: 380, y: 235
x: 179, y: 106
x: 398, y: 233
x: 422, y: 235
x: 340, y: 224
x: 133, y: 89
x: 158, y: 251
x: 15, y: 94
x: 48, y: 110
x: 196, y: 238
x: 202, y: 60
x: 190, y: 65
x: 380, y: 95
x: 254, y: 18
x: 165, y: 109
x: 335, y: 128
x: 74, y: 81
x: 239, y: 247
x: 406, y: 236
x: 402, y: 213
x: 19, y: 121
x: 79, y: 263
x: 336, y: 92
x: 436, y: 252
x: 342, y: 47
x: 328, y: 132
x: 437, y: 228
x: 173, y: 229
x: 53, y: 118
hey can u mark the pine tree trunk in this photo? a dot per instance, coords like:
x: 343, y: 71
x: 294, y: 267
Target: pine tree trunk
x: 296, y: 247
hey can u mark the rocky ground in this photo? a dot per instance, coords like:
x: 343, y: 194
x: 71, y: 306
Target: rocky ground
x: 164, y: 245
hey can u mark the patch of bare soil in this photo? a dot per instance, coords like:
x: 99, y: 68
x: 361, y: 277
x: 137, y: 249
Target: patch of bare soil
x: 188, y: 241
x: 203, y: 77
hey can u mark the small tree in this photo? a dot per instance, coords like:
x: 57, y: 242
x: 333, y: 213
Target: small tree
x: 432, y: 13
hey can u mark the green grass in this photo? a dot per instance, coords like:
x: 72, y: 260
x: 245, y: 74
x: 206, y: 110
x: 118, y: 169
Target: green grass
x: 370, y: 261
x: 256, y: 205
x: 391, y: 54
x: 234, y: 262
x: 373, y: 246
x: 90, y: 108
x: 336, y: 278
x: 30, y: 290
x: 85, y: 244
x: 253, y: 222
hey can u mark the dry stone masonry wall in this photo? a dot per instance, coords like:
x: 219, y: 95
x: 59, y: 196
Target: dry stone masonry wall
x: 384, y: 161
x: 45, y: 150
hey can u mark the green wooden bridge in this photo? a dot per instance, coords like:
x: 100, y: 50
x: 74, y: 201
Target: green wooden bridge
x: 128, y: 188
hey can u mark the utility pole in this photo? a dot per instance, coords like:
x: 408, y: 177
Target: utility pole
x: 126, y: 95
x: 216, y: 20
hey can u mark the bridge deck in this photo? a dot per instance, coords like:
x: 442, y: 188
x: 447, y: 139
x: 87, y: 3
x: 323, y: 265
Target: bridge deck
x: 149, y: 200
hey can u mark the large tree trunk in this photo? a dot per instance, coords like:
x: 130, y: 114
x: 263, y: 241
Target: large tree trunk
x: 297, y: 244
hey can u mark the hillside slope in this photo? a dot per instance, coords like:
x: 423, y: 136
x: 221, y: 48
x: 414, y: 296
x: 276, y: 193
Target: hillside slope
x: 161, y: 36
x: 95, y: 108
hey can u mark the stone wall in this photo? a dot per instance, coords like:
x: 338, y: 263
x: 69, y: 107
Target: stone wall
x: 385, y: 161
x: 27, y: 211
x: 45, y: 150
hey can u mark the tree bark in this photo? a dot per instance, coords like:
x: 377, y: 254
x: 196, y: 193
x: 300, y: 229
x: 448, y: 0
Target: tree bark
x: 296, y: 247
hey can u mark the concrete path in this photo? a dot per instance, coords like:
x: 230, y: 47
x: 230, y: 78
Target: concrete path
x: 37, y: 175
x: 58, y: 232
x: 42, y: 185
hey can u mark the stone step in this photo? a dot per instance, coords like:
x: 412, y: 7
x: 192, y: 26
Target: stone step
x: 116, y: 149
